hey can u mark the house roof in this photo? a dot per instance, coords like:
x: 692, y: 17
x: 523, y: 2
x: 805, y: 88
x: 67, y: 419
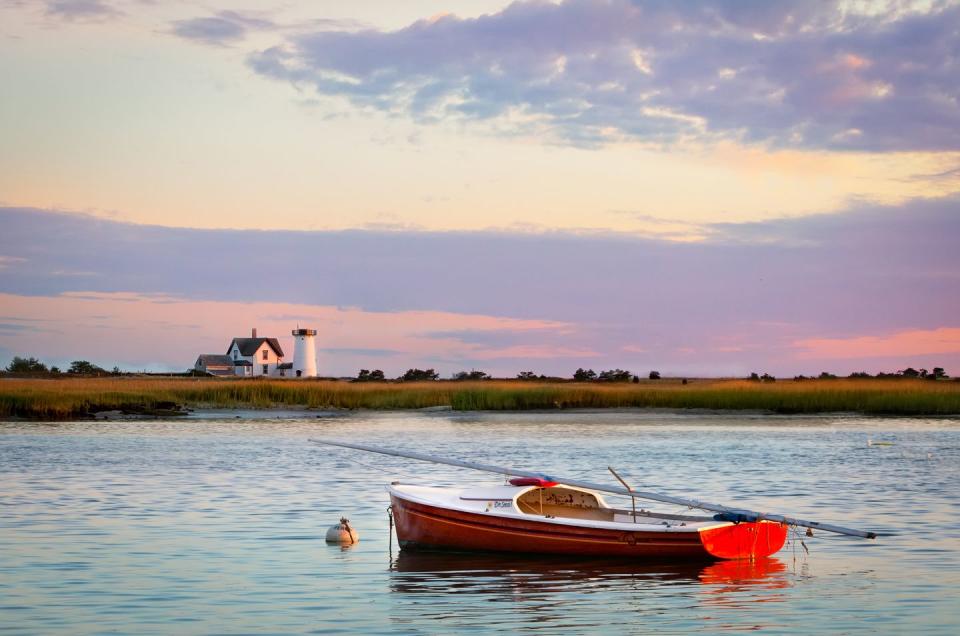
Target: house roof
x: 249, y: 346
x: 221, y: 372
x: 243, y: 363
x: 285, y: 365
x: 214, y: 360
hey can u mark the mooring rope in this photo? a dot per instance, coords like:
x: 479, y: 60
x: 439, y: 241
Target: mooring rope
x: 390, y: 535
x: 346, y: 524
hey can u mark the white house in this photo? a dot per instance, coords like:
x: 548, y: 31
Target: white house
x: 247, y: 357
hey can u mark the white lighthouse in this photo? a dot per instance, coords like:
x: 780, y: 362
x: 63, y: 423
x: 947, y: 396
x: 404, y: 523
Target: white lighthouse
x: 304, y: 353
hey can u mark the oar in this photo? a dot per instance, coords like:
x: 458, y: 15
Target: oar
x: 731, y: 514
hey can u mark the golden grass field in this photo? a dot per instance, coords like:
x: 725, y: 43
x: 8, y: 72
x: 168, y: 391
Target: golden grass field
x: 66, y: 398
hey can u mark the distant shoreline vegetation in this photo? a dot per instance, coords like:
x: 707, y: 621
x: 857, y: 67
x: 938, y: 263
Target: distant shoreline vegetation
x: 76, y: 396
x: 33, y: 368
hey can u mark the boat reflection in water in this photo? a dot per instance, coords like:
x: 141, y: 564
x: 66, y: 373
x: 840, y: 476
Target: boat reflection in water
x: 459, y: 589
x: 411, y: 567
x: 741, y: 582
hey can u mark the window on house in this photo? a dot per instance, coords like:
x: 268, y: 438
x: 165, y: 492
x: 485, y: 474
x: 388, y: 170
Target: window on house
x: 265, y: 369
x: 234, y: 354
x: 265, y: 354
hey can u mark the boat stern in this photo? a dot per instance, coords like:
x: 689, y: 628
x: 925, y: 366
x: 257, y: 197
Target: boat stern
x: 751, y: 540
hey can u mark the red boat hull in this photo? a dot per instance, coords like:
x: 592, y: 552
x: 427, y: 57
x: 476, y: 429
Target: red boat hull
x: 430, y: 527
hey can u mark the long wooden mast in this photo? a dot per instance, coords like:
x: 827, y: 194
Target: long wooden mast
x: 739, y: 514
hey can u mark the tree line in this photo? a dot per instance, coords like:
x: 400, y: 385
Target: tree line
x: 621, y: 375
x: 33, y: 366
x: 938, y: 373
x: 580, y: 375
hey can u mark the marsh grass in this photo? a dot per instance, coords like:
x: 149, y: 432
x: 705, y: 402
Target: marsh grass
x: 79, y: 397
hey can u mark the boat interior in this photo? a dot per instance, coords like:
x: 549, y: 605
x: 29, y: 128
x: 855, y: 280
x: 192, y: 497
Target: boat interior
x: 563, y: 502
x: 568, y: 503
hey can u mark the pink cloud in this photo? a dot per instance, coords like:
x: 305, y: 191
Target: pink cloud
x: 905, y: 344
x: 158, y: 331
x: 781, y: 296
x: 532, y: 352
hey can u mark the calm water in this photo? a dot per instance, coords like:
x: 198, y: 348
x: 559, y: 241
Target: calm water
x: 217, y: 526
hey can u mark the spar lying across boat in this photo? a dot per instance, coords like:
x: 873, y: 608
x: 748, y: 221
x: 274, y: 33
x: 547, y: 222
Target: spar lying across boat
x: 536, y: 513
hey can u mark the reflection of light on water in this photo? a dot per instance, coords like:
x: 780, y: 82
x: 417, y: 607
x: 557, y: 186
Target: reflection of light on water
x: 738, y: 583
x: 341, y: 547
x: 119, y: 526
x: 539, y: 584
x: 526, y: 593
x: 745, y: 572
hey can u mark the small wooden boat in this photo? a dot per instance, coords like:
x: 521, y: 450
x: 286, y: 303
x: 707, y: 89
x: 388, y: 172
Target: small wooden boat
x: 554, y: 518
x: 538, y: 514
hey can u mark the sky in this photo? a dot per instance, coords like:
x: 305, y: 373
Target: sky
x: 699, y: 188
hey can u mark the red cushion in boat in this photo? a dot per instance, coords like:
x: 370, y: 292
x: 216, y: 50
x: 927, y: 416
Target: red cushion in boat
x: 532, y: 481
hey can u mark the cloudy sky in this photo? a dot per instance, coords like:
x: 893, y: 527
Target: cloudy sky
x: 702, y: 188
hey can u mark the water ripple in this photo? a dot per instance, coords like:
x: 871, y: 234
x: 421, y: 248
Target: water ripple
x: 217, y: 526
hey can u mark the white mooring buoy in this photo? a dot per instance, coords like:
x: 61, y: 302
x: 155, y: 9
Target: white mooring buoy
x: 342, y: 533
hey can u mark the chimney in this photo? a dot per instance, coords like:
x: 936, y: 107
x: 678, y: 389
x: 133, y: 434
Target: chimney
x: 253, y: 332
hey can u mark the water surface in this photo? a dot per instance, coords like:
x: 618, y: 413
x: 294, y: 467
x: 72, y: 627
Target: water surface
x: 217, y: 525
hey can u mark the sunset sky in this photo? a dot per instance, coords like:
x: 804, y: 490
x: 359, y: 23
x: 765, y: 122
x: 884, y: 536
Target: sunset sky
x: 701, y: 188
